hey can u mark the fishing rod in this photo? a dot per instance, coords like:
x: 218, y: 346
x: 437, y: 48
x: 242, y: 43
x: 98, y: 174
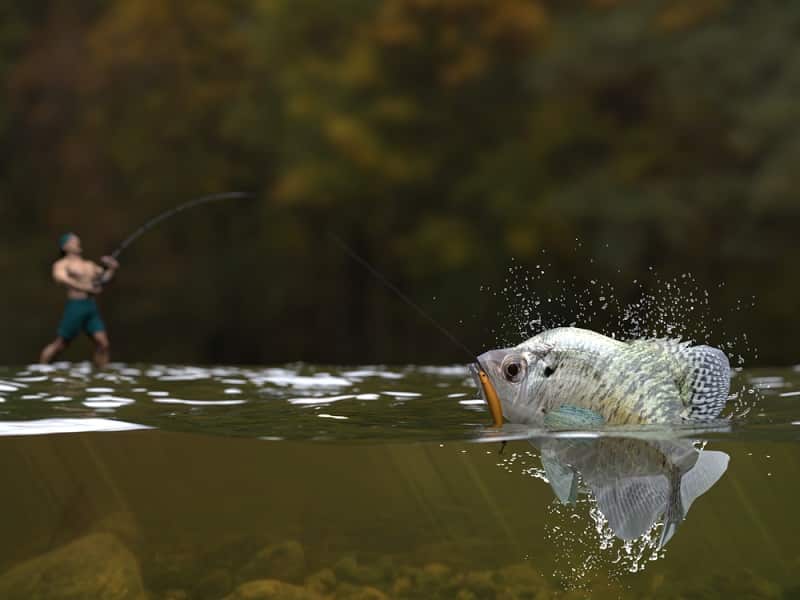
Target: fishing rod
x: 173, y: 211
x: 490, y: 394
x: 148, y: 225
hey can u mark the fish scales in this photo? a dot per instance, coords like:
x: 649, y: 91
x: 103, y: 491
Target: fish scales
x: 642, y: 381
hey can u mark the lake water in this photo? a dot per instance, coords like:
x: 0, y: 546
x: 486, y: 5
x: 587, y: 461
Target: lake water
x: 178, y: 482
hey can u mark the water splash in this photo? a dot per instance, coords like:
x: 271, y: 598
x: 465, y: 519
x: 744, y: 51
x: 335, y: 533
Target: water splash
x: 586, y: 548
x: 648, y: 307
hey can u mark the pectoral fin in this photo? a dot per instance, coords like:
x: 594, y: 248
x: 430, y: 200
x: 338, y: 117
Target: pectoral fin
x: 562, y: 478
x: 568, y: 416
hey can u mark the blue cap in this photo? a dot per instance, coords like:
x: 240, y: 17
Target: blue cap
x: 64, y: 239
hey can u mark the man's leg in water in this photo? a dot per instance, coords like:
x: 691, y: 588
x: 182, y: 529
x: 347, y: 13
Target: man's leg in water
x: 52, y: 350
x: 68, y: 328
x: 101, y: 348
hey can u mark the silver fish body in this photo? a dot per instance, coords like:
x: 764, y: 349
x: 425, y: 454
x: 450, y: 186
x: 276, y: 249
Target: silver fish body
x: 619, y: 383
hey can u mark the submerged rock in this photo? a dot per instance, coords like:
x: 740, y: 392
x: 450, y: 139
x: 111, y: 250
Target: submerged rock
x: 285, y: 561
x: 740, y: 584
x: 521, y: 581
x: 96, y: 566
x: 270, y: 589
x: 323, y: 582
x: 350, y: 570
x: 214, y: 584
x: 348, y: 592
x: 122, y: 524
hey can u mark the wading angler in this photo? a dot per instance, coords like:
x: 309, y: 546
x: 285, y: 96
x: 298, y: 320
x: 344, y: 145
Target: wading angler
x: 84, y: 280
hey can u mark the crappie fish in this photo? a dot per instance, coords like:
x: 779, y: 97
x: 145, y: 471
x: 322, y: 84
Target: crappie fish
x: 569, y: 377
x: 635, y: 482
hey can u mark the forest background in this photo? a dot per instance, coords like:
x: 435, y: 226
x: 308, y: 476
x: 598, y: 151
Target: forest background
x: 607, y: 143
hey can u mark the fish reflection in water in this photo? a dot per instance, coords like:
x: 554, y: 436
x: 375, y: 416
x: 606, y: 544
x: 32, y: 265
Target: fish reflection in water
x: 635, y: 482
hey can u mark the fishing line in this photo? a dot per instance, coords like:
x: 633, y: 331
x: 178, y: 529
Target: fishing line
x: 379, y: 276
x: 147, y: 226
x: 489, y: 392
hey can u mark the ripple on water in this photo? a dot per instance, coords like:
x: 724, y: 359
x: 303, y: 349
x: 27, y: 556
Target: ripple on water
x: 407, y: 402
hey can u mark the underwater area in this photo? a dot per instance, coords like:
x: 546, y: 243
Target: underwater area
x: 369, y: 482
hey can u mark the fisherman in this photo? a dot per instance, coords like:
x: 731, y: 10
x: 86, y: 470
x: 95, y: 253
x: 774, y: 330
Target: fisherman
x: 83, y: 280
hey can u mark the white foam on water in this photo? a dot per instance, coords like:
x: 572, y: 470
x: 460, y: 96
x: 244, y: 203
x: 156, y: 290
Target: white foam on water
x: 402, y: 394
x: 789, y: 394
x: 184, y: 377
x: 37, y: 368
x: 199, y: 402
x: 99, y: 390
x: 158, y: 394
x: 322, y: 380
x: 107, y: 401
x: 327, y: 416
x: 471, y: 402
x: 452, y: 370
x: 51, y: 426
x: 361, y: 373
x: 367, y: 396
x: 58, y: 399
x: 320, y: 400
x: 231, y: 391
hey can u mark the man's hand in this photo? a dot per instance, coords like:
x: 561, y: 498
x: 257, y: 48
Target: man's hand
x: 110, y: 262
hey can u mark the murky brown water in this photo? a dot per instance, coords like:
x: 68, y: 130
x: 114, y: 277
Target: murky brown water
x: 278, y: 496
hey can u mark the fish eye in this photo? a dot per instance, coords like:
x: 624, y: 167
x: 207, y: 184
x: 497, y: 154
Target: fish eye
x: 513, y: 368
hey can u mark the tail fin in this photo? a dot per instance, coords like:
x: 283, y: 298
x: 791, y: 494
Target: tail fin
x: 707, y: 383
x: 709, y: 468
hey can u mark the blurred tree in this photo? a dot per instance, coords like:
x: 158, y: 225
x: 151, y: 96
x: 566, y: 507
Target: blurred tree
x: 437, y: 138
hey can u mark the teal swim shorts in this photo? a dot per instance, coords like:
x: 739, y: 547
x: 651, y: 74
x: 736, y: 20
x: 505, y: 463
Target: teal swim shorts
x: 80, y: 315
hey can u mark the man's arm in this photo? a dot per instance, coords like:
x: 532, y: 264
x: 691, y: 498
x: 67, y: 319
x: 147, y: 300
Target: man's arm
x: 61, y: 275
x: 108, y: 270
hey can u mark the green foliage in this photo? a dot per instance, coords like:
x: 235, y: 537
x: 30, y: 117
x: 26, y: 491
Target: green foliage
x: 439, y: 138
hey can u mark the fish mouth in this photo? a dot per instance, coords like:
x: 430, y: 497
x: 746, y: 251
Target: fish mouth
x: 488, y: 393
